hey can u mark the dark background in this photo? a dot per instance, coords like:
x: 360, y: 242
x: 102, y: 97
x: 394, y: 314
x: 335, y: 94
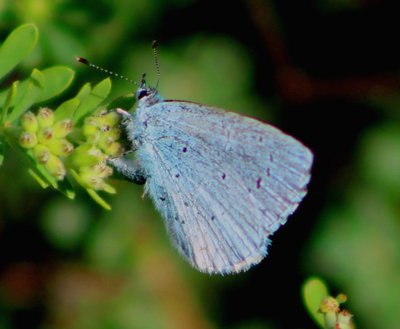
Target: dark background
x: 324, y: 71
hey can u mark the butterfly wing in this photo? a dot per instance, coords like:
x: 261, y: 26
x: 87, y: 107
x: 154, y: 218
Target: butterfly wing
x: 223, y: 182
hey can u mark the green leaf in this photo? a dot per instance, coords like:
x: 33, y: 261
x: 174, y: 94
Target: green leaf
x: 99, y: 200
x: 56, y: 80
x: 91, y: 101
x: 2, y: 149
x: 30, y: 95
x: 17, y: 46
x: 314, y: 291
x: 37, y: 178
x: 66, y: 109
x: 36, y: 168
x: 8, y: 101
x: 84, y: 91
x: 66, y: 188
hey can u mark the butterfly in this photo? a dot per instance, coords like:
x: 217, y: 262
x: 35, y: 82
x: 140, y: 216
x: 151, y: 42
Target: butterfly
x: 223, y: 182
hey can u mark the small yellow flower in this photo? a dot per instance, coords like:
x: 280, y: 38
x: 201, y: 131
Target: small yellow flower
x: 29, y: 122
x: 62, y: 128
x: 56, y: 167
x: 45, y: 117
x: 41, y: 153
x: 28, y: 140
x: 60, y: 147
x: 45, y: 135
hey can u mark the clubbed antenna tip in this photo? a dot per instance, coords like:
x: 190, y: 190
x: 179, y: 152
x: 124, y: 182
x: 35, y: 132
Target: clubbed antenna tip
x: 82, y: 60
x: 106, y: 71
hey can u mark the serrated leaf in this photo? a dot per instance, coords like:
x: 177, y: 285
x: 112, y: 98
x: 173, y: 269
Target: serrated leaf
x: 56, y: 80
x: 93, y: 100
x: 8, y: 101
x: 66, y: 109
x: 2, y: 149
x: 17, y: 46
x: 314, y: 291
x: 31, y: 94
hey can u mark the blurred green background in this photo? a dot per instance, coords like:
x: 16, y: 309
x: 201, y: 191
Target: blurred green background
x: 324, y: 71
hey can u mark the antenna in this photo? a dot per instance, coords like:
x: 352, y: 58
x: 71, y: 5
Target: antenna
x: 154, y: 45
x: 96, y: 67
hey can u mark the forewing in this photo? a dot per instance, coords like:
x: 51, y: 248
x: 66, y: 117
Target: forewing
x: 223, y: 182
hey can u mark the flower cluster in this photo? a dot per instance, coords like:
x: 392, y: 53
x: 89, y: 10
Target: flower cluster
x: 101, y: 133
x: 45, y: 139
x: 334, y: 316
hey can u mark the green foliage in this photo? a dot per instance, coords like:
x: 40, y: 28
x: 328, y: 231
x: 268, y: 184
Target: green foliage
x: 314, y: 291
x: 324, y: 309
x: 17, y: 46
x: 43, y: 136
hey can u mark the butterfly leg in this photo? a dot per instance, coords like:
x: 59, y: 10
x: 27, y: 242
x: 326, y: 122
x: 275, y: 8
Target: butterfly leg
x: 128, y: 168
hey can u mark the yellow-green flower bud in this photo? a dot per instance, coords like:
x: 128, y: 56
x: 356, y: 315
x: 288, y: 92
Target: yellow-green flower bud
x: 45, y: 135
x: 329, y: 304
x: 56, y: 167
x: 89, y: 130
x: 93, y: 139
x: 28, y: 140
x: 41, y: 153
x: 113, y: 133
x: 104, y: 142
x: 29, y: 122
x: 344, y: 320
x: 62, y: 128
x: 91, y: 180
x: 45, y: 117
x: 100, y: 169
x: 113, y: 149
x: 97, y: 153
x: 85, y: 155
x: 111, y: 118
x: 60, y: 147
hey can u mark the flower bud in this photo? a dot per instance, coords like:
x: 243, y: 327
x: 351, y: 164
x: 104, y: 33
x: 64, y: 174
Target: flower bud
x: 45, y: 117
x: 60, y: 147
x: 41, y: 153
x: 102, y: 169
x: 104, y: 142
x: 28, y: 140
x: 114, y: 149
x: 62, y: 128
x: 90, y: 126
x: 91, y: 180
x: 45, y: 135
x: 85, y: 155
x: 329, y: 304
x: 344, y: 320
x: 29, y: 122
x: 56, y: 167
x: 111, y: 119
x: 94, y: 138
x: 113, y: 133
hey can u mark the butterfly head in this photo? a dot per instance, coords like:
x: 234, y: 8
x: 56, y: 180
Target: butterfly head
x: 147, y: 96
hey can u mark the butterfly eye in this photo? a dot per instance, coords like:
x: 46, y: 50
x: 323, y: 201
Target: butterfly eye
x: 142, y: 93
